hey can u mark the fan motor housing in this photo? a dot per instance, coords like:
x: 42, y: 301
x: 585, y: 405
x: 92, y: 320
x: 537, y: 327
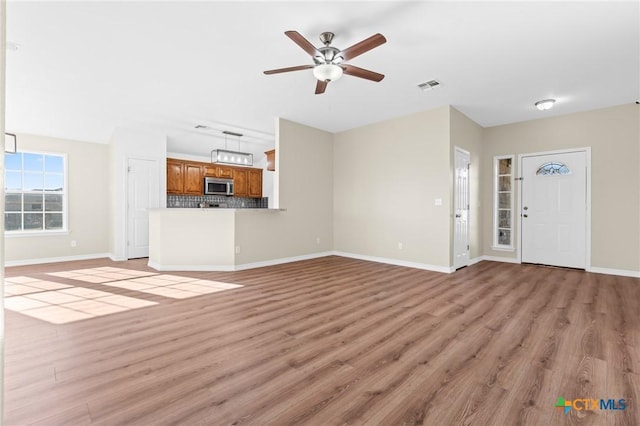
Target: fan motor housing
x: 329, y: 56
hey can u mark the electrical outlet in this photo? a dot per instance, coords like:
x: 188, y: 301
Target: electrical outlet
x: 438, y: 201
x: 317, y: 240
x: 74, y: 243
x: 400, y: 246
x: 237, y: 249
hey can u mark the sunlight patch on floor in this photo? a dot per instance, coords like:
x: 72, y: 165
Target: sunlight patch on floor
x: 67, y: 303
x: 60, y: 303
x: 173, y: 286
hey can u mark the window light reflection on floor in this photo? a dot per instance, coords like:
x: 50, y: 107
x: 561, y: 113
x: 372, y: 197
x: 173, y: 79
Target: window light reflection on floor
x: 165, y: 285
x: 60, y: 303
x: 38, y: 299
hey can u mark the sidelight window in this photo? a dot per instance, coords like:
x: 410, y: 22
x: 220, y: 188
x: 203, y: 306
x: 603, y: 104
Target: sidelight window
x: 503, y: 203
x: 35, y: 192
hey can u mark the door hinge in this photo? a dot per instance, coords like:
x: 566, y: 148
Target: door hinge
x: 129, y: 169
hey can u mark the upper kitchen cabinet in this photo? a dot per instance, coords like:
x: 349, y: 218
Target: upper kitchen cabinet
x: 184, y: 177
x: 175, y: 177
x: 193, y: 179
x: 255, y: 183
x: 247, y: 182
x: 225, y: 172
x: 271, y: 160
x: 240, y: 186
x: 216, y: 170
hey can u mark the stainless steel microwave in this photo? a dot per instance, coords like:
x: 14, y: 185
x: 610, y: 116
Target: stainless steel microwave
x: 217, y: 186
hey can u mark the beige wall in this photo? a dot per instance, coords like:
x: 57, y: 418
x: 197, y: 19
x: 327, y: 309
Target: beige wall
x: 467, y: 135
x: 386, y: 178
x: 305, y: 171
x: 614, y: 137
x: 87, y: 183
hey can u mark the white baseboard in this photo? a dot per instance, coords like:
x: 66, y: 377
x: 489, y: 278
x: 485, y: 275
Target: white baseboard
x: 408, y: 264
x: 191, y: 268
x: 609, y: 271
x: 500, y: 259
x: 240, y: 267
x: 593, y: 269
x: 475, y: 260
x: 24, y: 262
x: 280, y: 261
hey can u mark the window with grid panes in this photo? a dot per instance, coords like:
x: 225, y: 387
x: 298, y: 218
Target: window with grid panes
x: 35, y: 193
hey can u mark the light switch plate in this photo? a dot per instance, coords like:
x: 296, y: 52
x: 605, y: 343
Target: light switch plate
x: 438, y: 201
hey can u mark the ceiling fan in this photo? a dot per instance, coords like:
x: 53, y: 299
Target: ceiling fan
x: 328, y: 60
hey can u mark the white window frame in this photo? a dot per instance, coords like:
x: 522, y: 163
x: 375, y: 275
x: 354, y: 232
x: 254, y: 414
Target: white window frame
x: 65, y: 200
x: 496, y: 202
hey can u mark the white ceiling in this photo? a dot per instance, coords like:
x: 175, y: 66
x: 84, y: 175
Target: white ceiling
x: 83, y: 68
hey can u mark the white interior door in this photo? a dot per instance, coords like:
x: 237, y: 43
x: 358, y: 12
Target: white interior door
x: 553, y: 210
x: 142, y: 194
x: 461, y: 209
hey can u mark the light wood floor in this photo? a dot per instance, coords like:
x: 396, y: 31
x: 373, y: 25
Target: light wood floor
x: 335, y: 341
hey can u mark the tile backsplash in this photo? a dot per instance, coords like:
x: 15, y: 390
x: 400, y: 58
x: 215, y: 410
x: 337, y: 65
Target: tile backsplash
x: 193, y: 201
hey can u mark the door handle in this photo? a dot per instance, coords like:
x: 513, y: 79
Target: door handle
x: 525, y: 215
x: 458, y: 215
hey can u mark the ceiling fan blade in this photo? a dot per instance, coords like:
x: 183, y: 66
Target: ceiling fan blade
x: 362, y: 47
x: 298, y: 68
x: 303, y: 43
x: 362, y: 73
x: 321, y: 86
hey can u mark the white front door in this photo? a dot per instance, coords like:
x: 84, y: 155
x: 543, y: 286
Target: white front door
x: 461, y: 209
x: 142, y: 194
x: 554, y: 209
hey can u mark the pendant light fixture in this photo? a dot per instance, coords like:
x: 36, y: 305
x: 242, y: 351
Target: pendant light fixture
x: 226, y: 156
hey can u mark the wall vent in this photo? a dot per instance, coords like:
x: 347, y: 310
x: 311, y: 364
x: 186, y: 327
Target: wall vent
x: 429, y: 85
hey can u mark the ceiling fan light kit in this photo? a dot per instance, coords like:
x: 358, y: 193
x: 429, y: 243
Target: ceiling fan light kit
x: 328, y: 61
x: 327, y: 72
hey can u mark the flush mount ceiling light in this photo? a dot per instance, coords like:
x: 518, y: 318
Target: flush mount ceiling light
x: 545, y: 104
x: 231, y: 157
x: 327, y: 72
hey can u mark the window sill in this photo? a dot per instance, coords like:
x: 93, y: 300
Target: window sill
x: 503, y: 248
x: 12, y: 234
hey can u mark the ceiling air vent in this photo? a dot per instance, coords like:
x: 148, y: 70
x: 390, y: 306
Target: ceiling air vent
x: 429, y: 85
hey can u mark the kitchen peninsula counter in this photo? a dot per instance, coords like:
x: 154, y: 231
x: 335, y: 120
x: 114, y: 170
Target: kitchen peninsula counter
x: 211, y: 239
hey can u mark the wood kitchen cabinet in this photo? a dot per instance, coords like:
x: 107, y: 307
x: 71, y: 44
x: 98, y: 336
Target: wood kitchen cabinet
x: 210, y: 170
x: 175, y: 177
x: 240, y: 186
x: 225, y: 172
x: 193, y: 179
x: 271, y: 160
x: 215, y: 170
x: 255, y: 183
x: 185, y: 177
